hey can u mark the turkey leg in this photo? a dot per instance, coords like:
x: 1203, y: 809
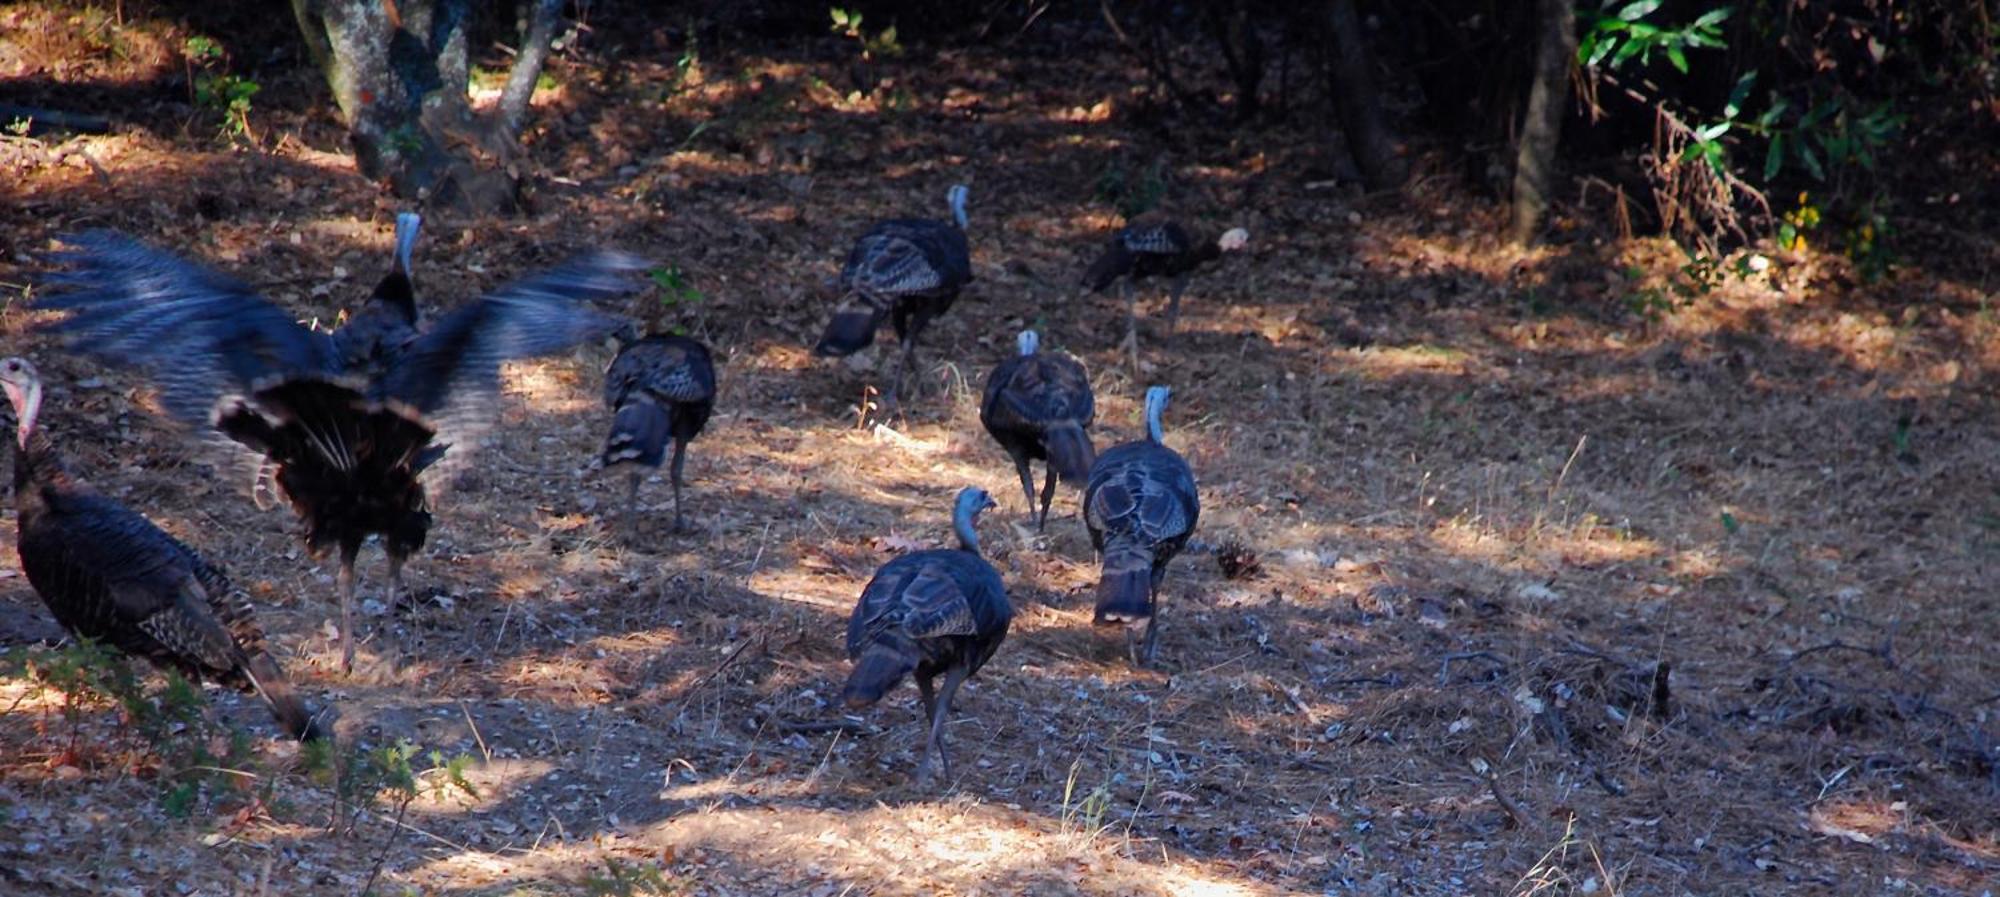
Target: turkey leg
x: 952, y: 679
x: 1048, y: 495
x: 346, y: 586
x: 680, y: 456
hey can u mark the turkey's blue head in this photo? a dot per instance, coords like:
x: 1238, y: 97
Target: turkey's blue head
x: 971, y: 501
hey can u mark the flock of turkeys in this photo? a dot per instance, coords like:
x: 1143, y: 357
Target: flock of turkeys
x: 349, y: 427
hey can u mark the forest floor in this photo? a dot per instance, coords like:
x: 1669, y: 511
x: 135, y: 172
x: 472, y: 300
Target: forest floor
x: 1565, y: 587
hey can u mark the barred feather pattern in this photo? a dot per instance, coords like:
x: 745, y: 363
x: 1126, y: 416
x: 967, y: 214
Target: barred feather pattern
x: 659, y: 387
x: 1029, y: 398
x: 909, y: 270
x: 928, y: 611
x: 108, y: 574
x: 1141, y: 502
x: 1149, y: 246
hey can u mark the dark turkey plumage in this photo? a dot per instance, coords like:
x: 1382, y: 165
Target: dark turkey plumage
x: 928, y: 613
x: 658, y: 388
x: 110, y: 575
x: 1038, y: 406
x: 1141, y: 506
x: 386, y: 324
x: 1156, y: 246
x: 341, y: 433
x: 906, y: 270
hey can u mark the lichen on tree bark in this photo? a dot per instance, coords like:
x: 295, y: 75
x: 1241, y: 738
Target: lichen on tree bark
x: 399, y: 71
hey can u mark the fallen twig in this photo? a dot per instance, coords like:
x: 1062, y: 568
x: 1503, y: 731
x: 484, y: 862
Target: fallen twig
x: 1513, y: 810
x: 1444, y: 668
x: 1883, y: 652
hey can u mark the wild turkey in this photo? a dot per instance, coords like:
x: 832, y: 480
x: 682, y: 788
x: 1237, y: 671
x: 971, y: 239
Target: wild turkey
x: 1037, y: 406
x: 1155, y: 246
x: 929, y: 612
x: 344, y: 446
x: 658, y: 387
x: 1141, y: 507
x: 109, y: 574
x: 908, y: 270
x: 387, y: 323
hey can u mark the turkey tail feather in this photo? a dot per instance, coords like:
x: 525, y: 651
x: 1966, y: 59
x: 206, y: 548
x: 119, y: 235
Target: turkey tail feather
x: 1070, y: 452
x: 638, y: 434
x: 286, y: 706
x: 882, y: 664
x: 852, y: 328
x: 1125, y: 590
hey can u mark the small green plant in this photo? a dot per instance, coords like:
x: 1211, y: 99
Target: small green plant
x: 216, y: 89
x: 1620, y: 33
x: 1085, y: 814
x: 677, y: 290
x: 686, y: 68
x: 1134, y: 193
x: 362, y: 777
x: 198, y: 762
x: 1651, y: 304
x: 623, y: 880
x: 1795, y: 224
x: 881, y: 43
x: 1700, y: 276
x: 405, y: 139
x: 1868, y: 243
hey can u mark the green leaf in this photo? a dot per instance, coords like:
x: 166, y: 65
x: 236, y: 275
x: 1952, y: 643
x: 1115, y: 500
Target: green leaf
x: 1638, y: 10
x: 1712, y: 18
x: 1779, y: 106
x: 1709, y: 132
x: 1811, y: 161
x: 1818, y: 113
x: 1678, y: 58
x: 1729, y: 524
x: 1713, y: 152
x: 1742, y: 92
x: 1774, y: 158
x: 1626, y: 50
x: 1601, y: 50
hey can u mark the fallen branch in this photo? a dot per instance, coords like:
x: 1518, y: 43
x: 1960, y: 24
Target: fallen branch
x: 1552, y: 719
x: 1444, y: 668
x: 1883, y: 652
x: 1514, y: 812
x: 42, y: 121
x: 810, y: 726
x: 703, y: 679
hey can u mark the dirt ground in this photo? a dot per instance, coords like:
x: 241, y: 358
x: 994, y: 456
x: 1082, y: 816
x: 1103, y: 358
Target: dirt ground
x: 1555, y: 596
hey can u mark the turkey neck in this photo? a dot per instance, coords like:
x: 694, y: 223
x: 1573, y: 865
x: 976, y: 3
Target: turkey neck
x: 37, y: 464
x: 968, y: 537
x: 36, y: 461
x: 1209, y: 250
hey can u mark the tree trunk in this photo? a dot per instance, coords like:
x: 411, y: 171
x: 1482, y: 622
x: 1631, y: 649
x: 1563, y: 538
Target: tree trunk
x: 1235, y: 31
x: 538, y: 31
x: 399, y: 71
x: 1356, y: 103
x: 1541, y: 127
